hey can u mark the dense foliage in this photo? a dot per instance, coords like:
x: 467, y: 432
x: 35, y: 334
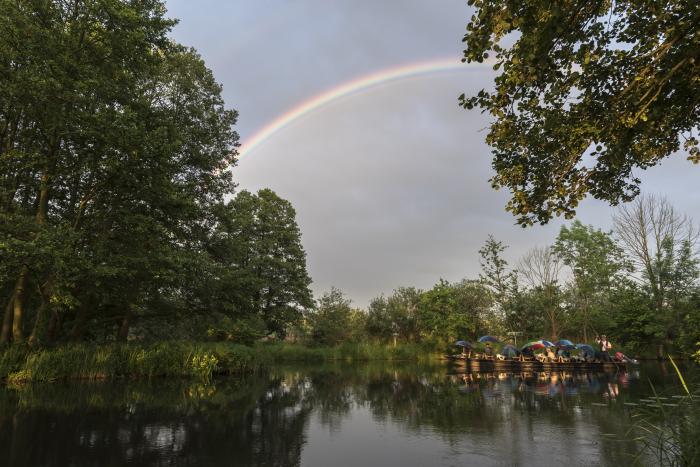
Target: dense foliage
x: 586, y: 92
x: 638, y: 284
x: 114, y: 153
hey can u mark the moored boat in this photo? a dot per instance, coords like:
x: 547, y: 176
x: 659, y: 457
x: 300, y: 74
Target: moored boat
x: 487, y: 364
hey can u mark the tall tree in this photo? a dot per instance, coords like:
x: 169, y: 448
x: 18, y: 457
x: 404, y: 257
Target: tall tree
x: 595, y: 261
x: 587, y: 92
x: 495, y: 274
x: 262, y: 264
x: 113, y: 145
x: 661, y: 243
x: 540, y: 267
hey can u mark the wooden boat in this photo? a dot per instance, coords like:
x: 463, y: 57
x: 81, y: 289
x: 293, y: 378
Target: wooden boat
x: 490, y: 364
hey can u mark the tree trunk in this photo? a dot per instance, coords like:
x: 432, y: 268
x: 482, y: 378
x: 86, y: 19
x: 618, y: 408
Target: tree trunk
x: 39, y: 321
x: 554, y: 330
x: 18, y: 305
x: 20, y: 290
x: 7, y: 321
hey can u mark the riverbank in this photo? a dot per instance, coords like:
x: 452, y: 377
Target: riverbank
x: 201, y: 360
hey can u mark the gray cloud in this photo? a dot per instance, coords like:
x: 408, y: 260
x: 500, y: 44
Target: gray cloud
x: 391, y: 184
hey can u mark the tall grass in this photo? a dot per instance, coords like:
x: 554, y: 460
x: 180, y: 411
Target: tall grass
x: 200, y: 360
x: 91, y: 362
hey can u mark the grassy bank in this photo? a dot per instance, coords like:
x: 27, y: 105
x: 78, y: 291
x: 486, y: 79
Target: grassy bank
x: 179, y: 359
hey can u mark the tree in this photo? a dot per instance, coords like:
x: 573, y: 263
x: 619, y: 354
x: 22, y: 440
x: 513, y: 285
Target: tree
x: 379, y: 323
x: 595, y: 261
x: 540, y: 267
x: 454, y: 311
x: 262, y: 265
x: 587, y: 92
x: 331, y: 321
x: 399, y: 313
x: 113, y: 145
x: 661, y: 244
x: 495, y: 275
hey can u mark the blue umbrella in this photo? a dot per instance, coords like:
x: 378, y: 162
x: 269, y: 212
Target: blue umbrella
x: 565, y: 343
x: 483, y: 339
x: 586, y: 348
x: 463, y: 344
x: 509, y: 351
x: 547, y: 343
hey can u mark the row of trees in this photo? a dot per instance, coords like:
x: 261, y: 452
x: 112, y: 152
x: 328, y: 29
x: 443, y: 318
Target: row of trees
x: 637, y: 284
x: 115, y: 146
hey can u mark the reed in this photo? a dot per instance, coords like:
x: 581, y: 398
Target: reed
x: 201, y: 360
x: 92, y: 362
x: 669, y: 434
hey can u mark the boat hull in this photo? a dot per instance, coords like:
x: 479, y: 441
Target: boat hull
x: 480, y: 364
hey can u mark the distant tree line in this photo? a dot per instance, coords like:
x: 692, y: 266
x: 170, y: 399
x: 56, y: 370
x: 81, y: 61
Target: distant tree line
x: 638, y: 284
x: 115, y: 149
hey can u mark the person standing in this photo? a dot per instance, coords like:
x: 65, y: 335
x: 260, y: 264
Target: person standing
x: 488, y: 351
x: 605, y: 347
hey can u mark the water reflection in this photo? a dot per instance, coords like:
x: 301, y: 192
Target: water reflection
x: 338, y: 415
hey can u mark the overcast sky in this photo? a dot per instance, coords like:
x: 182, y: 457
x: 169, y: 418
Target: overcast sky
x: 390, y: 184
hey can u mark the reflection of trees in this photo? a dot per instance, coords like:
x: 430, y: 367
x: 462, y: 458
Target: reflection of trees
x: 263, y: 420
x: 260, y: 424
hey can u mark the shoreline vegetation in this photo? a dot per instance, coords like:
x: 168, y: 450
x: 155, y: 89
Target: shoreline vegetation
x: 183, y: 359
x: 179, y: 359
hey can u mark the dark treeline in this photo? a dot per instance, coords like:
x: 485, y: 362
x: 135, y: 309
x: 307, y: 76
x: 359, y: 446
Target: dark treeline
x: 115, y: 149
x: 638, y: 284
x: 118, y: 221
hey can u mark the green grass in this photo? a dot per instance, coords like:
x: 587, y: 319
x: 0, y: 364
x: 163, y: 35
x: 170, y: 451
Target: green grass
x: 201, y: 360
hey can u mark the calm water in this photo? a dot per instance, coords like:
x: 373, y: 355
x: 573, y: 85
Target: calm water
x: 343, y: 415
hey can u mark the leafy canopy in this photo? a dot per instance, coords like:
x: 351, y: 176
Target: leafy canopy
x: 587, y: 92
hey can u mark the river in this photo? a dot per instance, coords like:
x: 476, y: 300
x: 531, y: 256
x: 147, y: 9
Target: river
x: 362, y: 414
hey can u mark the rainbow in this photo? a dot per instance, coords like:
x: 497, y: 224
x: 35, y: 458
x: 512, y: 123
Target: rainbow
x: 350, y: 87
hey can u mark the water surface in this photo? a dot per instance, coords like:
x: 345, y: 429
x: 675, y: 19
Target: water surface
x: 334, y: 415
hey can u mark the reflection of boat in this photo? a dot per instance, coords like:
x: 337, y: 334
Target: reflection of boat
x: 488, y: 364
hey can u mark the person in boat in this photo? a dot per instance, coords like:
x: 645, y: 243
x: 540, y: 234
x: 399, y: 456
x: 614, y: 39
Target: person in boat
x: 587, y: 356
x: 551, y: 356
x: 488, y: 351
x: 527, y: 353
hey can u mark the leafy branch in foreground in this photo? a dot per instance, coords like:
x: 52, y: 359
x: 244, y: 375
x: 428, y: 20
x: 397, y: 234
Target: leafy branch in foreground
x: 587, y: 92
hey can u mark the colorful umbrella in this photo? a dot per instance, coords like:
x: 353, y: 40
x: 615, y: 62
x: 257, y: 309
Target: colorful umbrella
x: 547, y: 343
x: 536, y: 345
x: 483, y: 339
